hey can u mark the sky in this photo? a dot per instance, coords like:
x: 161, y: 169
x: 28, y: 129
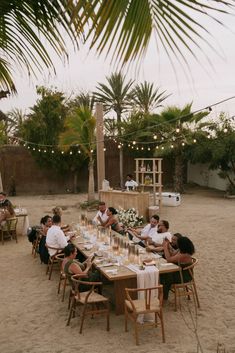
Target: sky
x: 204, y: 85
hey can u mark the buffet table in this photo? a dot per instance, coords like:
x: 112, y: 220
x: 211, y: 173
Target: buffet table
x: 126, y: 199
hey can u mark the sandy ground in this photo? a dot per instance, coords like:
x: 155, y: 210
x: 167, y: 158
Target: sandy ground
x: 33, y: 318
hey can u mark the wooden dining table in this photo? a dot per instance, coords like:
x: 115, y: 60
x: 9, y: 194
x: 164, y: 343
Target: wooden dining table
x: 119, y: 274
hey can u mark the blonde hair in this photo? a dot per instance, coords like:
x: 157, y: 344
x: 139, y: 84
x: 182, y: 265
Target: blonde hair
x: 57, y: 210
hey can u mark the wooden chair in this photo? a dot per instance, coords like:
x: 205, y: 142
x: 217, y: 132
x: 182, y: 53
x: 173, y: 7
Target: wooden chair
x: 186, y: 289
x: 62, y: 279
x: 9, y: 229
x: 52, y: 262
x: 91, y: 301
x: 149, y: 304
x: 35, y: 244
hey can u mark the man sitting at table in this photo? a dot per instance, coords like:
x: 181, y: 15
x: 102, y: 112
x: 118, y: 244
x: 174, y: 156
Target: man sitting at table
x: 155, y: 241
x: 55, y: 238
x: 101, y: 216
x: 147, y: 232
x: 6, y: 208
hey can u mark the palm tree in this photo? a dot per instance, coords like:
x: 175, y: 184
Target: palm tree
x: 146, y: 98
x: 24, y: 26
x: 176, y: 125
x: 115, y: 96
x: 80, y: 130
x: 127, y: 26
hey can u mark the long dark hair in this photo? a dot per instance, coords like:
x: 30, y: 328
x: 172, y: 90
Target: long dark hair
x: 185, y: 245
x: 112, y: 210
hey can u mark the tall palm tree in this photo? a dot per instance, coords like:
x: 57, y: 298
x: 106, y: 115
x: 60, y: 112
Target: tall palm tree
x: 115, y: 96
x: 146, y: 98
x: 80, y: 130
x: 24, y: 26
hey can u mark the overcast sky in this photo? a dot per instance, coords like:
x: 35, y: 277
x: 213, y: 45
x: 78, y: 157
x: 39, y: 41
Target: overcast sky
x: 204, y: 86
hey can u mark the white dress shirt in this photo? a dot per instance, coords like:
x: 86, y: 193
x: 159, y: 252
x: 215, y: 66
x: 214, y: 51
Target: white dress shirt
x: 131, y: 184
x: 56, y: 239
x: 147, y: 230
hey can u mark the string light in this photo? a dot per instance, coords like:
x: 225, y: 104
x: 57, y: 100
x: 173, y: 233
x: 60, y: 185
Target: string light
x: 172, y: 146
x: 119, y: 146
x: 194, y: 141
x: 70, y: 152
x: 177, y: 130
x: 225, y: 130
x: 155, y: 137
x: 62, y: 152
x: 45, y: 151
x: 52, y: 151
x: 134, y: 142
x: 104, y: 149
x: 92, y: 151
x: 149, y: 148
x: 183, y: 144
x: 162, y: 147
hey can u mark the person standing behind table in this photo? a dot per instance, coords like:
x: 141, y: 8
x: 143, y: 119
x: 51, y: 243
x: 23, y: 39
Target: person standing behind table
x: 101, y: 216
x: 182, y: 258
x: 130, y: 184
x: 155, y: 241
x: 55, y: 237
x: 6, y: 208
x: 147, y: 232
x: 58, y: 211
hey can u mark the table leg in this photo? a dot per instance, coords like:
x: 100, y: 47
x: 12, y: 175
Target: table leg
x: 119, y: 293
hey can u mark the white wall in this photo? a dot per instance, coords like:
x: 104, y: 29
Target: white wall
x: 202, y: 175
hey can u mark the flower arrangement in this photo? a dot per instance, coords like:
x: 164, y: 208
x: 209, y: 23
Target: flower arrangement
x: 130, y: 217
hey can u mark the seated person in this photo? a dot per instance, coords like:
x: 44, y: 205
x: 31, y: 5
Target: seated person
x: 130, y: 184
x: 58, y: 211
x: 182, y: 258
x: 112, y: 221
x: 71, y: 266
x: 155, y: 242
x: 46, y: 223
x: 146, y: 233
x: 55, y: 238
x: 101, y: 216
x: 6, y: 208
x: 173, y: 245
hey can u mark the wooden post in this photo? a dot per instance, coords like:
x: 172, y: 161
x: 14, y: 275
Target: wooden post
x: 100, y: 145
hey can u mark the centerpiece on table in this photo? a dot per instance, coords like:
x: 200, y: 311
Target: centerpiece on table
x: 129, y: 217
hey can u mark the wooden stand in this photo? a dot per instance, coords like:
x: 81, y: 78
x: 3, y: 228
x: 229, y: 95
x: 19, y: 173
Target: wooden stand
x: 149, y: 174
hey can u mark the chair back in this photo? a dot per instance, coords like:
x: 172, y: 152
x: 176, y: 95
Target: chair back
x: 76, y: 282
x: 12, y: 223
x: 149, y: 296
x: 190, y: 267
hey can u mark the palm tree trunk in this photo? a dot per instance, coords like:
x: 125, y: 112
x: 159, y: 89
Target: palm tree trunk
x: 120, y: 150
x: 179, y: 173
x: 91, y: 182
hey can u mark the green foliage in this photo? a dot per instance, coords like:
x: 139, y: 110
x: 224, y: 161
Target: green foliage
x: 43, y: 126
x: 218, y: 151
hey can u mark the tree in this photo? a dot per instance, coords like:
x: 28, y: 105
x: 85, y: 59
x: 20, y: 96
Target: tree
x: 127, y: 26
x: 24, y: 26
x: 41, y: 132
x: 177, y: 131
x: 80, y: 130
x: 146, y: 98
x: 218, y: 150
x: 115, y: 96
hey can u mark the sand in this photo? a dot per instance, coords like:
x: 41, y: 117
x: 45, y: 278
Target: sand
x: 33, y: 318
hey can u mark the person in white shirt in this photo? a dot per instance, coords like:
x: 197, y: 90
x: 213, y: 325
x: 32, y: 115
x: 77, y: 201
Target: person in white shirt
x: 148, y: 232
x: 130, y: 184
x: 156, y: 240
x: 55, y: 239
x: 101, y: 216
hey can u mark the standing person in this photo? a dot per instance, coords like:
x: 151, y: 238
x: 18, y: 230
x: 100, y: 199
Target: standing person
x: 6, y: 208
x: 58, y: 211
x: 101, y: 216
x: 182, y: 258
x: 130, y: 183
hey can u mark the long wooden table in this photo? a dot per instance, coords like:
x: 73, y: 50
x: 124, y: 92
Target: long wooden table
x: 124, y: 278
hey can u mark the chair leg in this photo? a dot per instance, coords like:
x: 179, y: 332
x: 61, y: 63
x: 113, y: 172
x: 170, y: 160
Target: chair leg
x: 82, y: 318
x: 175, y: 295
x: 72, y: 308
x: 59, y: 285
x: 162, y: 327
x: 126, y: 318
x: 195, y: 291
x: 107, y: 316
x: 136, y: 333
x: 64, y: 287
